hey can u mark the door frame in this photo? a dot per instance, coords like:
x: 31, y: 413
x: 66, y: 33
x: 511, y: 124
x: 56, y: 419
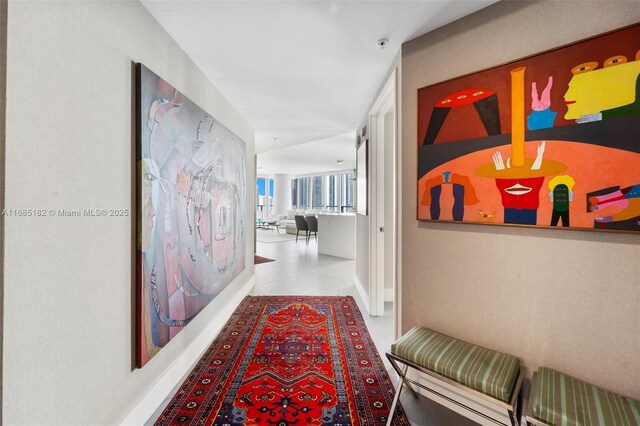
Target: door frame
x: 387, y: 102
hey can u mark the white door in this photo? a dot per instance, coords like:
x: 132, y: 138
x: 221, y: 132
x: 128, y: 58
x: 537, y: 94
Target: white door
x: 382, y: 198
x: 379, y: 235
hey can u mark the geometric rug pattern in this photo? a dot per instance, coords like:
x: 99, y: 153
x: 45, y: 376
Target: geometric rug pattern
x: 288, y: 360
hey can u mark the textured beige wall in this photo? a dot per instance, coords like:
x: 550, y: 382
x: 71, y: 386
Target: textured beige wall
x: 563, y: 299
x: 69, y: 300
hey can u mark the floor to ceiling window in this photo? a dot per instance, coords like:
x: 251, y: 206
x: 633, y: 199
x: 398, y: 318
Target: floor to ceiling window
x: 346, y: 184
x: 318, y: 199
x: 294, y: 193
x: 304, y: 192
x: 264, y: 193
x: 333, y: 201
x: 332, y: 192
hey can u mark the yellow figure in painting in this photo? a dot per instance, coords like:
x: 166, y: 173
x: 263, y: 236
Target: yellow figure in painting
x: 592, y: 90
x: 560, y: 195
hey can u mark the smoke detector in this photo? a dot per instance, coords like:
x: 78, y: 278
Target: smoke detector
x: 382, y: 43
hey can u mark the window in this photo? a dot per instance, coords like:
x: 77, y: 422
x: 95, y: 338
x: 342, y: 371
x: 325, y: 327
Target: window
x: 318, y: 199
x: 304, y: 192
x: 271, y: 189
x: 264, y: 196
x: 294, y: 193
x: 332, y: 193
x: 261, y: 184
x: 347, y: 192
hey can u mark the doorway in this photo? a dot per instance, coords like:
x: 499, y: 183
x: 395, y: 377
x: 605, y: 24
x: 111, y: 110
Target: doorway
x: 383, y: 225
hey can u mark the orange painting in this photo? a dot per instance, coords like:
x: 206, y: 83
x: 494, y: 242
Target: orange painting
x: 551, y: 140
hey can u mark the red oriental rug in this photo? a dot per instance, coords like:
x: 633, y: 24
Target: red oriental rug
x: 288, y: 360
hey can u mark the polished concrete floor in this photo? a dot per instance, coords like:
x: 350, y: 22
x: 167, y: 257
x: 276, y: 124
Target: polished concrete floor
x: 299, y: 270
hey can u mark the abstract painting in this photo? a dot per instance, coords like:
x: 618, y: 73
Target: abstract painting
x: 191, y: 213
x: 551, y: 140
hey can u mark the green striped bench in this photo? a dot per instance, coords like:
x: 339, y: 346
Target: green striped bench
x: 491, y: 376
x: 559, y: 399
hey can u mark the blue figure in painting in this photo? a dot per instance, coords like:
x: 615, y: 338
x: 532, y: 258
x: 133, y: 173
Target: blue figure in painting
x: 462, y: 191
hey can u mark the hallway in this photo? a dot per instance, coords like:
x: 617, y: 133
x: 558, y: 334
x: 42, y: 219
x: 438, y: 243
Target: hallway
x: 298, y: 269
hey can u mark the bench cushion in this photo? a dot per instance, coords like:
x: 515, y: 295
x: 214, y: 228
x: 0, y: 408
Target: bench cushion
x: 489, y: 372
x: 559, y: 399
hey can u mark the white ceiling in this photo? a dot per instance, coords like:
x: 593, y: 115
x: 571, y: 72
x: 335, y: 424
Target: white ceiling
x: 300, y: 71
x: 311, y: 157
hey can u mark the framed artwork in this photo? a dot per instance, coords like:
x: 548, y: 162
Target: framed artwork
x: 551, y: 140
x: 191, y: 213
x: 361, y: 177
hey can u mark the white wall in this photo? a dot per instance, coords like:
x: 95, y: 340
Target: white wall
x: 338, y: 235
x: 564, y: 299
x: 362, y: 253
x: 69, y: 299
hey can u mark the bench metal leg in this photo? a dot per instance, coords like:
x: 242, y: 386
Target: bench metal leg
x: 397, y: 397
x: 399, y: 372
x: 413, y: 391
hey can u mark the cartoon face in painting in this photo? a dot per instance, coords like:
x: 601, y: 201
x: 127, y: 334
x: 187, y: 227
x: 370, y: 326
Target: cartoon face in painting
x: 593, y: 90
x: 520, y: 193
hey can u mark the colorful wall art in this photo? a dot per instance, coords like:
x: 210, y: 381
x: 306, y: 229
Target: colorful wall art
x: 550, y: 140
x: 191, y: 194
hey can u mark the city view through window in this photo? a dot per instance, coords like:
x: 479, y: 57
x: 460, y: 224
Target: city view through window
x: 333, y: 193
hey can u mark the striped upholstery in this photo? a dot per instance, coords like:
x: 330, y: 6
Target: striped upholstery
x: 490, y: 372
x: 559, y: 399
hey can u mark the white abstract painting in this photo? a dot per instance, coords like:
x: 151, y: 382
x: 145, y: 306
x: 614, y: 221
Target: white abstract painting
x: 191, y: 212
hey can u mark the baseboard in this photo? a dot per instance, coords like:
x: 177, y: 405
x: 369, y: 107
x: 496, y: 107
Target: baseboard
x: 146, y: 407
x: 363, y: 294
x: 388, y: 295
